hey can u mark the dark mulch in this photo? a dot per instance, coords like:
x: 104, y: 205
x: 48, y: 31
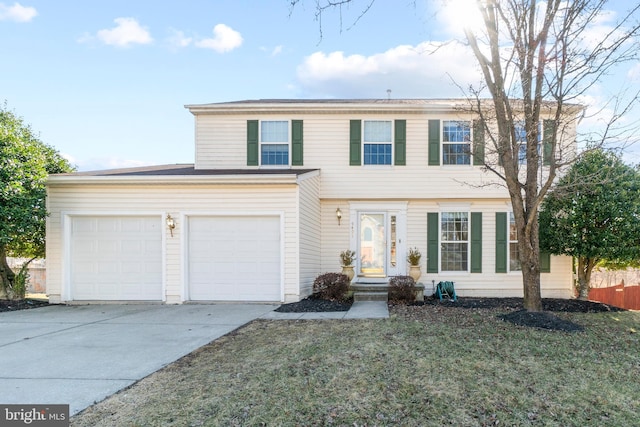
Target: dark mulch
x: 548, y: 304
x: 513, y: 307
x: 9, y: 305
x: 314, y: 304
x: 541, y: 320
x: 517, y: 315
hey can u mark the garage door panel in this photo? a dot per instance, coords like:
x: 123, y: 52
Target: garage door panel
x: 116, y: 258
x: 234, y: 258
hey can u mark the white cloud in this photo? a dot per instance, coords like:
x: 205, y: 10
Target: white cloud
x: 428, y: 70
x: 178, y: 39
x: 273, y: 52
x: 225, y: 39
x: 126, y: 33
x: 634, y: 73
x: 276, y: 50
x: 17, y: 13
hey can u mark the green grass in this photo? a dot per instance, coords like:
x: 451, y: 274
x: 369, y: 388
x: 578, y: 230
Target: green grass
x: 422, y: 367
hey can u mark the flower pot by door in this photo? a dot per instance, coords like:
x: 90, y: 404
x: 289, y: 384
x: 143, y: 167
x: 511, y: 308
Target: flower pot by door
x: 348, y: 271
x: 414, y: 272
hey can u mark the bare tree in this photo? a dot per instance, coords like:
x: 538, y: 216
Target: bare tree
x: 537, y: 60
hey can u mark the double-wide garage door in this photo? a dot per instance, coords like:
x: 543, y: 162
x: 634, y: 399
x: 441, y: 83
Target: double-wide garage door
x: 229, y: 258
x: 116, y: 258
x: 234, y: 258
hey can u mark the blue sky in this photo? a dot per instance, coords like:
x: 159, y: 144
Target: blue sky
x: 105, y: 82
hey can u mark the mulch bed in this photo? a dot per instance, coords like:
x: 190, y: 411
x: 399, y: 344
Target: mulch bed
x: 13, y: 305
x: 312, y: 304
x: 513, y: 307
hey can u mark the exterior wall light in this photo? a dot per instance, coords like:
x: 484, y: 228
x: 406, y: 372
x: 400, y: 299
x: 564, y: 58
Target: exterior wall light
x: 170, y: 223
x: 338, y: 215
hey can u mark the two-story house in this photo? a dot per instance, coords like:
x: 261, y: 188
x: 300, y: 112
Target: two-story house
x: 278, y: 189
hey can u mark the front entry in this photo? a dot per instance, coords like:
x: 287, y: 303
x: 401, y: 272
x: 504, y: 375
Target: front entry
x: 379, y: 239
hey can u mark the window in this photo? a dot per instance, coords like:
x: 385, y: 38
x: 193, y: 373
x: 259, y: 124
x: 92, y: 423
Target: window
x: 454, y: 247
x: 514, y: 259
x: 378, y: 142
x: 521, y: 140
x: 274, y: 142
x: 456, y: 142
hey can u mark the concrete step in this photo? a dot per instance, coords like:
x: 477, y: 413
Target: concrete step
x: 369, y: 287
x: 370, y: 296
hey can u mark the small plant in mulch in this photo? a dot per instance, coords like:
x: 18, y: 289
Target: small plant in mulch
x: 402, y: 289
x: 331, y: 286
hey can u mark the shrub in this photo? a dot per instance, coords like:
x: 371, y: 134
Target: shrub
x: 402, y: 289
x: 331, y: 286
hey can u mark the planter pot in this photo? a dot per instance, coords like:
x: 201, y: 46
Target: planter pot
x: 348, y: 271
x: 414, y: 272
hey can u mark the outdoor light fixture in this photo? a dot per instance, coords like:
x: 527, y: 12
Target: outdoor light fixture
x: 170, y: 223
x: 338, y: 215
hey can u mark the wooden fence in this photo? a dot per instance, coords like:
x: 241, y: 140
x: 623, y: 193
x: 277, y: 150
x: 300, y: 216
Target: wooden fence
x: 619, y: 296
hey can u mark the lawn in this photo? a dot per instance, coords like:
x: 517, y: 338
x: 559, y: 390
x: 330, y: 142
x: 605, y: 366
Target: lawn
x: 425, y: 366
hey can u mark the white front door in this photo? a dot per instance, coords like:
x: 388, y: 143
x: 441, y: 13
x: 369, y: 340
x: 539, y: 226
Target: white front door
x: 379, y: 242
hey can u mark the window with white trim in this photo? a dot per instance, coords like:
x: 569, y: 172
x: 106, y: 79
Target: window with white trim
x: 454, y: 241
x: 377, y: 142
x: 514, y: 258
x: 274, y: 142
x: 521, y: 140
x: 456, y: 142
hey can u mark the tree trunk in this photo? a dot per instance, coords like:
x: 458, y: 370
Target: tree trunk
x: 585, y: 267
x: 530, y: 261
x: 7, y: 275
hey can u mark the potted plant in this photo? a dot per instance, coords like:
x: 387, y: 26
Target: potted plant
x: 346, y: 260
x: 414, y: 258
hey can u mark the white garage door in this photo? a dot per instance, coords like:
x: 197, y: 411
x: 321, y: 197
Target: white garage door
x: 116, y: 258
x: 234, y: 258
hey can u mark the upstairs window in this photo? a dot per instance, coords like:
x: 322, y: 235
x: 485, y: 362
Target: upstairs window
x: 521, y: 140
x: 378, y: 142
x: 456, y: 142
x: 274, y: 143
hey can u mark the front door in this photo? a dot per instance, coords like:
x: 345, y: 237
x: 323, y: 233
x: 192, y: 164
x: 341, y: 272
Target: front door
x: 377, y: 244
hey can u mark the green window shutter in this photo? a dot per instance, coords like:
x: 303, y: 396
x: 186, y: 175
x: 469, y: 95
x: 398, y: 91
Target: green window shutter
x: 476, y: 242
x: 355, y: 139
x: 432, y: 242
x: 478, y: 143
x: 400, y: 143
x: 296, y: 143
x: 501, y: 242
x: 434, y: 142
x: 545, y: 262
x: 252, y: 142
x: 547, y: 143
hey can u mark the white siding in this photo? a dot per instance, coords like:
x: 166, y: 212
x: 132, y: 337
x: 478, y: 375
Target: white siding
x: 488, y: 283
x: 222, y: 144
x: 178, y: 200
x: 310, y: 236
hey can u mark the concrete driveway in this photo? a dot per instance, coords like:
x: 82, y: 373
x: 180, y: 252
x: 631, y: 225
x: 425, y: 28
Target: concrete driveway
x: 80, y: 354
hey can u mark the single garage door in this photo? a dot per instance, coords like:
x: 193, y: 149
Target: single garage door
x: 234, y: 258
x: 116, y: 258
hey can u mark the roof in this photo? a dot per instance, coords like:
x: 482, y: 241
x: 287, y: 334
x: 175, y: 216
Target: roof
x: 405, y: 105
x: 185, y: 169
x: 181, y: 173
